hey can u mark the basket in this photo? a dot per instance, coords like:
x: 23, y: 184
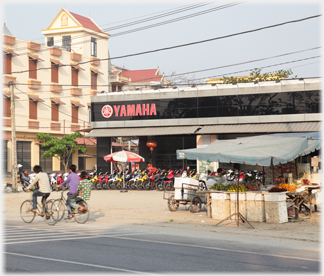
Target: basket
x: 167, y: 194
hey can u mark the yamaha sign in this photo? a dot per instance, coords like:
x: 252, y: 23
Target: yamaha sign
x: 127, y: 110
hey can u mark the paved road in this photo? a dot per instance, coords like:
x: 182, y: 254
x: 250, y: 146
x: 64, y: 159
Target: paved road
x: 71, y: 247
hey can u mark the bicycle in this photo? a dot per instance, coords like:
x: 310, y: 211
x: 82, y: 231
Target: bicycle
x: 50, y: 210
x: 79, y: 217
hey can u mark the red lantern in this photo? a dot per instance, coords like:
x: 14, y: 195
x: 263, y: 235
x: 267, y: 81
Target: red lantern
x: 151, y: 145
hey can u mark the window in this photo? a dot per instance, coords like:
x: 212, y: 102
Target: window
x: 93, y: 47
x: 93, y: 80
x: 7, y: 64
x: 81, y: 162
x: 24, y: 154
x: 74, y: 75
x: 55, y: 112
x: 75, y: 114
x: 45, y: 163
x: 54, y: 72
x: 6, y: 107
x: 50, y: 41
x: 64, y: 20
x: 32, y: 109
x: 32, y: 68
x: 67, y: 43
x: 113, y: 88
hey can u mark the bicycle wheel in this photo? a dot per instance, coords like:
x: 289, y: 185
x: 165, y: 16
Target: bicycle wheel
x: 51, y: 212
x: 25, y: 211
x: 84, y: 215
x: 61, y: 205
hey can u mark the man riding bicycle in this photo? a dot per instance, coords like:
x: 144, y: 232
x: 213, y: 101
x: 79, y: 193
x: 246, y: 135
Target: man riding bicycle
x: 84, y: 189
x: 73, y: 179
x: 44, y: 186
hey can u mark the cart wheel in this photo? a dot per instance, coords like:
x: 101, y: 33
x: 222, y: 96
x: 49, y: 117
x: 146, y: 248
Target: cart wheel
x: 173, y: 205
x: 195, y: 205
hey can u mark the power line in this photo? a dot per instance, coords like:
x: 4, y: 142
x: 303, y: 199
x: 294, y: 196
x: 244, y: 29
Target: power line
x: 104, y: 30
x: 288, y: 62
x: 202, y: 70
x: 177, y: 19
x: 191, y: 43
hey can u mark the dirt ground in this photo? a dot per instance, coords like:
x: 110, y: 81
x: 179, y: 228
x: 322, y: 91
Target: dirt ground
x: 113, y: 208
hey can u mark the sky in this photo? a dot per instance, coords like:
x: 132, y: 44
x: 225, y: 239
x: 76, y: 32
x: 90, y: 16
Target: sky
x: 26, y: 20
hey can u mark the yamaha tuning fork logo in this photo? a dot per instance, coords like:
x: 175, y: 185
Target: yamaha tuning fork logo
x: 107, y: 111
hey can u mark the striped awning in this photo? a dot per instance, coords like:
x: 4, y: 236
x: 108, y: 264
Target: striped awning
x: 35, y: 98
x: 96, y: 71
x: 77, y: 67
x: 10, y: 52
x: 57, y: 101
x: 77, y: 104
x: 7, y: 95
x: 35, y: 58
x: 56, y: 62
x: 261, y: 128
x: 142, y: 131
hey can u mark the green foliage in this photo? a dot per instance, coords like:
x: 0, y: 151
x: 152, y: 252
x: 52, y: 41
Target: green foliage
x: 256, y: 75
x: 61, y: 148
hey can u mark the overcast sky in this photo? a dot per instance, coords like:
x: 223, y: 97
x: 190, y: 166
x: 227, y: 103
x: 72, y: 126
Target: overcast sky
x: 26, y: 20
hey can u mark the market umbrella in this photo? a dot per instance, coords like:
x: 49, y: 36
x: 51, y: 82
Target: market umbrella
x: 124, y: 156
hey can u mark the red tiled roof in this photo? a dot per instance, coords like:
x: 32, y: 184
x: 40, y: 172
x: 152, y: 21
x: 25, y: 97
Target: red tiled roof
x: 86, y: 141
x: 86, y: 22
x: 142, y: 75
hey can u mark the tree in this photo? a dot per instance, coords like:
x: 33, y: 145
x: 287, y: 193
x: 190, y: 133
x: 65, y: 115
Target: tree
x: 60, y: 148
x: 256, y: 75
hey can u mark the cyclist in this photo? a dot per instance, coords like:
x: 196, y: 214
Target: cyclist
x: 44, y: 186
x: 84, y: 189
x: 73, y: 179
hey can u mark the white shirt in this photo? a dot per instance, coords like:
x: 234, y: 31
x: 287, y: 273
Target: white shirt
x: 43, y: 182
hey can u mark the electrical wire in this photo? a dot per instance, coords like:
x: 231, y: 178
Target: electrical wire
x: 189, y: 44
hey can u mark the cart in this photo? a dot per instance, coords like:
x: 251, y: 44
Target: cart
x: 185, y: 193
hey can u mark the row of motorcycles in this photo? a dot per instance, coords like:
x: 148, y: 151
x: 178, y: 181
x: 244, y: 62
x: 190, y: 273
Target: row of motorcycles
x: 154, y: 179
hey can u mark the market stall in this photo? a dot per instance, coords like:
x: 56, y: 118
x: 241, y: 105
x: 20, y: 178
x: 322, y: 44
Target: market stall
x: 272, y: 152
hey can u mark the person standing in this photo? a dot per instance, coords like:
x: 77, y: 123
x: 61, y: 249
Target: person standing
x: 44, y: 186
x: 73, y: 179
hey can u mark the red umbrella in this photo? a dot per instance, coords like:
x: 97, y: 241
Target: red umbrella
x: 124, y: 156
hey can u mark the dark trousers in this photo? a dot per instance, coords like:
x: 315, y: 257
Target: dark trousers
x: 36, y: 194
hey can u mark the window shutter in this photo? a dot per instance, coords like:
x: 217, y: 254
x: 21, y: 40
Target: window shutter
x: 74, y: 74
x: 6, y: 107
x: 33, y: 68
x: 75, y: 114
x: 32, y: 110
x: 93, y: 81
x: 54, y: 73
x: 55, y: 112
x: 7, y: 64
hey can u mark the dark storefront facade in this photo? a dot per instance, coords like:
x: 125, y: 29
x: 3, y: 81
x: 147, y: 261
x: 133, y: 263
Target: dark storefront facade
x: 176, y: 118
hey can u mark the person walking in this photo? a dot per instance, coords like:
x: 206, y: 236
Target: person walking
x: 73, y: 179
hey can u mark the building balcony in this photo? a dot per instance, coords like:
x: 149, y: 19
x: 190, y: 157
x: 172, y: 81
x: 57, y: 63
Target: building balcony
x: 10, y: 40
x: 32, y: 84
x: 56, y: 126
x: 76, y: 91
x: 75, y: 56
x: 55, y: 52
x: 33, y: 46
x: 56, y: 88
x: 7, y: 79
x: 33, y: 124
x: 6, y: 122
x: 94, y: 61
x: 75, y: 128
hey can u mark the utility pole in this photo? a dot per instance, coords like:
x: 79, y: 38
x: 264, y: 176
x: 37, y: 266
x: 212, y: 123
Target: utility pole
x: 14, y: 168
